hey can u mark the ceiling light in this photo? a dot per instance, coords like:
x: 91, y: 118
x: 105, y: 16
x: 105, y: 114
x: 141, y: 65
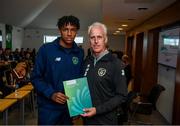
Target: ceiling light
x: 124, y: 25
x: 120, y: 28
x: 117, y: 31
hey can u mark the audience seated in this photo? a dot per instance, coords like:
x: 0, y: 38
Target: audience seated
x: 13, y: 77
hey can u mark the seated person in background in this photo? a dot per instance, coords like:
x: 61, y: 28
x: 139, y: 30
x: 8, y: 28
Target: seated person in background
x: 29, y: 59
x: 127, y: 68
x: 20, y: 69
x: 13, y: 77
x: 20, y: 72
x: 1, y: 55
x: 1, y: 94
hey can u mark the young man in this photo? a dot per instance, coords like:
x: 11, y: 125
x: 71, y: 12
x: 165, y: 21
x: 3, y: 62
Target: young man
x: 56, y: 62
x: 106, y: 80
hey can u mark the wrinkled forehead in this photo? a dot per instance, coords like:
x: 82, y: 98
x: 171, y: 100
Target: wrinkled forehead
x: 97, y: 31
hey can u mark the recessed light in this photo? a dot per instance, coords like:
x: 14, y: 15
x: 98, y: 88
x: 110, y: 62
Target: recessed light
x: 120, y: 28
x: 124, y: 25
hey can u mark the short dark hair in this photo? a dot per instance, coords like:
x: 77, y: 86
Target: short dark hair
x: 65, y: 20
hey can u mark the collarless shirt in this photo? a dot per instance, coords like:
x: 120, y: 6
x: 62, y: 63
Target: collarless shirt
x: 100, y: 56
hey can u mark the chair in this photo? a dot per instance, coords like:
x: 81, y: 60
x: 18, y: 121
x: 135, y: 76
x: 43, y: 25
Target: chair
x: 1, y: 95
x: 145, y: 105
x: 123, y: 111
x: 5, y: 88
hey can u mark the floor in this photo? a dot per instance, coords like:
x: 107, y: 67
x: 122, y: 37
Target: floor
x: 154, y: 119
x: 31, y: 118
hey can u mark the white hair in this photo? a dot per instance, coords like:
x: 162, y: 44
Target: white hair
x: 103, y: 26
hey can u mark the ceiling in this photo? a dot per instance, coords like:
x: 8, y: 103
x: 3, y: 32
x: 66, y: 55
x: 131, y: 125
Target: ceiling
x: 45, y: 13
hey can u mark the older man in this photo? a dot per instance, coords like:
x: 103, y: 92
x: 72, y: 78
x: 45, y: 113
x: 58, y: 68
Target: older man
x: 106, y: 79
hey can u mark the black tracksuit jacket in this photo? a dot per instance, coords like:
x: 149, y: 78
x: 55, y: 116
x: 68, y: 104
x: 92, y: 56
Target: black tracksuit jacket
x: 107, y: 85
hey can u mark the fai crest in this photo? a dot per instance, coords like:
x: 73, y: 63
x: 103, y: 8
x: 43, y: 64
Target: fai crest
x: 101, y: 72
x: 75, y: 60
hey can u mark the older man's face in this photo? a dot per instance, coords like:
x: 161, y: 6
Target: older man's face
x: 97, y: 40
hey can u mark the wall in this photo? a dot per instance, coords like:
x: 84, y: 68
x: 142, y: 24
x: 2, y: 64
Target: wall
x: 116, y: 42
x: 17, y: 36
x: 165, y: 101
x: 2, y: 28
x: 167, y: 54
x: 167, y: 16
x: 168, y: 79
x: 34, y: 39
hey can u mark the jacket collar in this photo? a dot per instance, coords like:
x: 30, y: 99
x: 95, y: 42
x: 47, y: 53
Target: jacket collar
x: 106, y: 57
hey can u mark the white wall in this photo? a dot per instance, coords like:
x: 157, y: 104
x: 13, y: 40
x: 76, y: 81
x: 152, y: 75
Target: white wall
x: 2, y: 28
x: 166, y: 77
x: 166, y: 74
x: 17, y: 37
x: 167, y: 54
x: 34, y: 39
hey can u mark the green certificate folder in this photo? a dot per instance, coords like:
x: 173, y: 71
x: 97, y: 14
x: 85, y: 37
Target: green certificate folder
x: 79, y: 96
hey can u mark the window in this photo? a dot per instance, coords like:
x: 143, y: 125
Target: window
x: 50, y: 38
x: 0, y: 38
x: 79, y: 39
x: 171, y: 41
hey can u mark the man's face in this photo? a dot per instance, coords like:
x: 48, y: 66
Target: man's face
x: 68, y: 34
x: 97, y: 40
x: 21, y: 69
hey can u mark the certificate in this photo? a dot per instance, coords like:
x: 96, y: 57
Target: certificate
x: 79, y: 96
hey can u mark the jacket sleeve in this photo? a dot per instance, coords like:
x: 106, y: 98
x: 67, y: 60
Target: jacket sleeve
x: 37, y: 76
x: 119, y: 83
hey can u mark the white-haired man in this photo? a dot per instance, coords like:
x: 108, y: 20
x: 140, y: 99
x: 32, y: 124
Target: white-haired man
x: 106, y: 79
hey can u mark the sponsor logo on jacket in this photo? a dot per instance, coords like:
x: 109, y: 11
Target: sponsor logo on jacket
x: 58, y: 59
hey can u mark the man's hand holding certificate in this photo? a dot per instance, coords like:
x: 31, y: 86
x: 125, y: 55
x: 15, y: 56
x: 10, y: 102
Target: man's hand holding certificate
x: 79, y: 96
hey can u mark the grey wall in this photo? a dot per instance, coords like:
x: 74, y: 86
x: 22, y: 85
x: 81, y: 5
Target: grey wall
x: 117, y: 42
